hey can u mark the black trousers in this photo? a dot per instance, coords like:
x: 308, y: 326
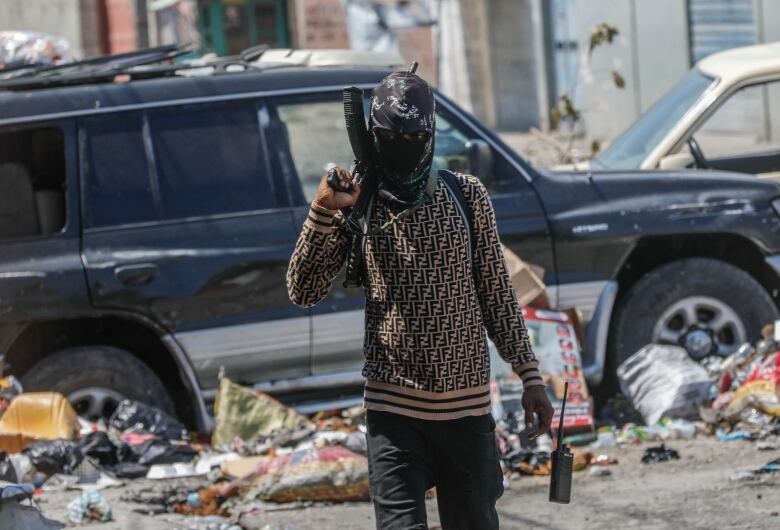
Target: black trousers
x: 408, y: 456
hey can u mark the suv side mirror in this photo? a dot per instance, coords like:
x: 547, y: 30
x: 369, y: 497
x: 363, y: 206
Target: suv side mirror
x: 480, y: 158
x: 676, y: 161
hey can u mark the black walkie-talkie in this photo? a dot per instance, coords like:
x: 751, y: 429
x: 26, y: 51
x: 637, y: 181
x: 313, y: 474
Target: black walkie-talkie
x: 562, y: 463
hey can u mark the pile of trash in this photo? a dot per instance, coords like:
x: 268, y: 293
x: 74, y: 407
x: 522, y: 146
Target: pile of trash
x: 746, y: 393
x: 734, y: 398
x: 261, y: 452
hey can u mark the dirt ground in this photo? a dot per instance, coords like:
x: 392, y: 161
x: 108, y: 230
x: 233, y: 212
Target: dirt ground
x: 693, y: 492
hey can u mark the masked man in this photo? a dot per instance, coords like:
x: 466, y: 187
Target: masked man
x: 429, y: 298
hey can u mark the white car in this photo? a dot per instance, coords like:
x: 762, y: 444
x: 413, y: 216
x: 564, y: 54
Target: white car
x: 724, y: 114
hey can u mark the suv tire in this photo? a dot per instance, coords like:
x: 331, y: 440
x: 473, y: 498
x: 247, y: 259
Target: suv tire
x: 643, y: 307
x: 88, y: 374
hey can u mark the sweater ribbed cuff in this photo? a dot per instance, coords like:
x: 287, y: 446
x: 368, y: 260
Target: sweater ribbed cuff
x: 320, y: 219
x: 530, y: 374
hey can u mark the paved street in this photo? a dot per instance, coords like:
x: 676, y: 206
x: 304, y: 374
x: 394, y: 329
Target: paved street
x: 694, y: 492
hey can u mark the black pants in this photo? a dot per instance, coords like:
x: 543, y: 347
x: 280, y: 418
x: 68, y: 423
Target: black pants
x: 408, y: 456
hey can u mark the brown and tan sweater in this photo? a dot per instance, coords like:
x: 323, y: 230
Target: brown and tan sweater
x: 426, y: 313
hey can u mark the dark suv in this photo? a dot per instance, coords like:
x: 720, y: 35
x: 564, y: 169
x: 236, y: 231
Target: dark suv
x: 146, y: 229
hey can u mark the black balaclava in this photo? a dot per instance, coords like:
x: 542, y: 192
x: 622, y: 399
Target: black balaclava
x: 403, y: 104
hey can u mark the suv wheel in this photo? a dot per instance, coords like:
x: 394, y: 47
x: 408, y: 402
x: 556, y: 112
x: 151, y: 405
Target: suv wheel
x: 96, y: 378
x: 706, y: 306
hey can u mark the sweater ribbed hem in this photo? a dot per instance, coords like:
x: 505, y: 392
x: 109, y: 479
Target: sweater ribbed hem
x: 426, y: 405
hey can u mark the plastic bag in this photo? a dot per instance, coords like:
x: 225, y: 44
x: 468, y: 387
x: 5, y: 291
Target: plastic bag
x: 134, y: 414
x: 163, y: 452
x: 89, y: 506
x: 100, y: 447
x: 55, y: 456
x: 662, y: 381
x: 7, y: 470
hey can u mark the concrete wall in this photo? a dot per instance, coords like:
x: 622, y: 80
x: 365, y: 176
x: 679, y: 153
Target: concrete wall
x: 57, y: 17
x: 650, y: 52
x: 769, y: 25
x: 606, y: 110
x: 475, y: 21
x: 662, y: 47
x: 513, y: 60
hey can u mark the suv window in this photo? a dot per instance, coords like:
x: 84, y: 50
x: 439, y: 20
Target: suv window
x: 748, y: 122
x: 317, y: 139
x: 32, y: 180
x: 117, y: 187
x: 314, y: 133
x: 209, y: 160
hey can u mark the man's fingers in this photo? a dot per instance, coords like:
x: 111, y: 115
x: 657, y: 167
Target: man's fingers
x: 529, y: 418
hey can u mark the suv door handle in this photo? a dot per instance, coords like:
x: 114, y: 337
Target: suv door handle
x: 139, y: 274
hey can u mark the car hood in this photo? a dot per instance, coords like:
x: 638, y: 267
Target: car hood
x: 713, y: 198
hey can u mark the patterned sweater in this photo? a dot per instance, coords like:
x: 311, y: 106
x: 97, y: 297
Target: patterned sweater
x: 426, y: 313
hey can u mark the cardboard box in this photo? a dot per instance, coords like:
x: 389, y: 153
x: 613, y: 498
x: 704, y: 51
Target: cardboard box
x: 526, y: 278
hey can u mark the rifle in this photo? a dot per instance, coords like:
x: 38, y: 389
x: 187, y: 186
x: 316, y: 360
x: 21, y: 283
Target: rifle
x: 363, y: 172
x: 365, y: 158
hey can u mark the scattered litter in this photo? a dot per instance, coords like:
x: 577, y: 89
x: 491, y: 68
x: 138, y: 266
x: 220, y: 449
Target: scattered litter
x: 659, y: 454
x: 663, y: 381
x: 22, y: 466
x: 770, y: 443
x: 771, y: 467
x: 603, y: 460
x: 131, y: 414
x: 37, y: 416
x: 99, y: 446
x: 604, y: 439
x: 331, y: 473
x: 209, y: 461
x: 243, y: 414
x: 62, y: 482
x: 7, y: 470
x: 164, y: 471
x: 87, y: 507
x: 205, y: 501
x: 243, y: 466
x: 54, y: 456
x: 16, y: 516
x: 599, y: 471
x: 734, y: 435
x: 10, y: 387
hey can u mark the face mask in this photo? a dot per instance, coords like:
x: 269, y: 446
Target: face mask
x: 402, y: 121
x: 401, y: 154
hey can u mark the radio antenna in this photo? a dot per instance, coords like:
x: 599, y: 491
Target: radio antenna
x: 563, y: 408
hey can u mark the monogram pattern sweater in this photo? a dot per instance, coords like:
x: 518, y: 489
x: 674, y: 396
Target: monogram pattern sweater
x: 427, y: 306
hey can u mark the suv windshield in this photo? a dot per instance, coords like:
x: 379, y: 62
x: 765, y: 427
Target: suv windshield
x: 632, y: 147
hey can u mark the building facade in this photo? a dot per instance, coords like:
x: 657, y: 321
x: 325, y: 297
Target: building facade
x: 658, y: 42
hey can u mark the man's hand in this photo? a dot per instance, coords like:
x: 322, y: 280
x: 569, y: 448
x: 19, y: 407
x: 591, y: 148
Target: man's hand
x: 331, y: 199
x: 535, y: 401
